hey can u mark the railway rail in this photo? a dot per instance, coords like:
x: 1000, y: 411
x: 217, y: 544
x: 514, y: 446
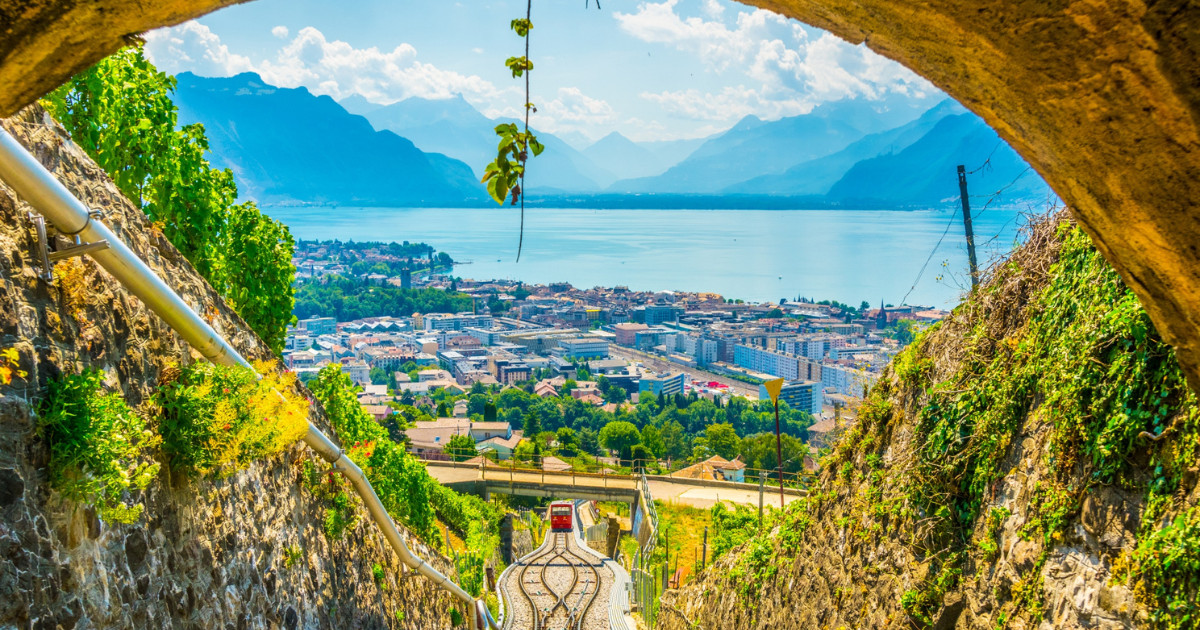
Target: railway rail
x: 558, y: 588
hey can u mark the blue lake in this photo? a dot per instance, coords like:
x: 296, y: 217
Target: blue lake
x: 846, y: 255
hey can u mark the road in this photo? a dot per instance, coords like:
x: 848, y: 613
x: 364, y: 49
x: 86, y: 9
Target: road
x: 675, y: 492
x: 661, y: 364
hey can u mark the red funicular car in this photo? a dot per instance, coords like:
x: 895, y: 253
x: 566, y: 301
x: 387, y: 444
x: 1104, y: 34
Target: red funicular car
x: 562, y: 516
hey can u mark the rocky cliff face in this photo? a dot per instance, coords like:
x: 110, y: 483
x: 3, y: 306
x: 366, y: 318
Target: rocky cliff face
x: 247, y: 551
x: 1020, y: 466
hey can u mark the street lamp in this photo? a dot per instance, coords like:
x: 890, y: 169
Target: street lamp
x: 773, y: 389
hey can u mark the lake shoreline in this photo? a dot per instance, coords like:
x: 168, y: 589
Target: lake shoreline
x: 756, y: 256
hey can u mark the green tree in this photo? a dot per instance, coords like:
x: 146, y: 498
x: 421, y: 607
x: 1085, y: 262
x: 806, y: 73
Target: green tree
x: 460, y: 448
x: 589, y: 441
x: 619, y: 436
x: 567, y: 438
x: 722, y: 440
x: 533, y: 425
x: 476, y: 403
x: 758, y: 451
x: 489, y: 411
x: 378, y: 376
x: 256, y: 272
x: 653, y: 441
x: 640, y: 456
x: 675, y: 440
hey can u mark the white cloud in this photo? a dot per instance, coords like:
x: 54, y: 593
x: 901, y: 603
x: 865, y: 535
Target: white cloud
x: 713, y: 9
x: 192, y: 46
x: 570, y: 110
x: 789, y: 70
x: 573, y: 106
x: 324, y: 66
x: 337, y: 69
x: 731, y: 103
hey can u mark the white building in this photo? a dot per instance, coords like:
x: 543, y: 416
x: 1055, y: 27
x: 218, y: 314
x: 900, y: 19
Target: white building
x: 767, y: 361
x: 846, y: 379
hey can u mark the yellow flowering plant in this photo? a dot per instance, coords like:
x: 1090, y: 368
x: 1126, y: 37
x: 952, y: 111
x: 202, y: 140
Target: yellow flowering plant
x: 217, y: 420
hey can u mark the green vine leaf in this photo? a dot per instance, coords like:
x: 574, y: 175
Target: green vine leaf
x: 518, y: 65
x: 521, y: 26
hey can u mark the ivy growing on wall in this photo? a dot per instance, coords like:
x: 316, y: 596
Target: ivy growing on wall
x: 120, y: 112
x: 100, y: 449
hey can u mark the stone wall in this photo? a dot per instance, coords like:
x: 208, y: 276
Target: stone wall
x: 212, y: 554
x: 1102, y: 99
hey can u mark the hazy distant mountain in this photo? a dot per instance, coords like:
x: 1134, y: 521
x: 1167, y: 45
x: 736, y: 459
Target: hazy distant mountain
x: 754, y: 147
x: 358, y: 105
x: 454, y: 127
x: 816, y: 177
x: 577, y: 140
x: 289, y: 145
x: 925, y: 171
x: 673, y: 152
x: 625, y: 158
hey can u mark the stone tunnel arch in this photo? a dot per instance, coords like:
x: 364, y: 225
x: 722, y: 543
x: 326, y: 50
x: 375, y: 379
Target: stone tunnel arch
x: 1102, y: 98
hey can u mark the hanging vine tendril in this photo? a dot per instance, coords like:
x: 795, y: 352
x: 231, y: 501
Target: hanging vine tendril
x: 505, y: 177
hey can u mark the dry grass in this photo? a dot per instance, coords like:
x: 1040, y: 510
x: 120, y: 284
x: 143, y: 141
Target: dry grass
x: 1001, y: 304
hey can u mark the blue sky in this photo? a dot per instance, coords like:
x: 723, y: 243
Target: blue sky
x: 652, y: 70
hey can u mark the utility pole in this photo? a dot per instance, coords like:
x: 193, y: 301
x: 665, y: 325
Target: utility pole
x: 762, y: 480
x: 966, y: 207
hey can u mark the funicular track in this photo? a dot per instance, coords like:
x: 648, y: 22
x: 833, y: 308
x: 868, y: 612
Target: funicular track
x: 558, y: 589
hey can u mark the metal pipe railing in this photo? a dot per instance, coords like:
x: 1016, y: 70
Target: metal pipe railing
x: 38, y: 186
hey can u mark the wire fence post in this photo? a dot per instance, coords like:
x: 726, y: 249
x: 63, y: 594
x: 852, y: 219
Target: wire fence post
x: 966, y: 208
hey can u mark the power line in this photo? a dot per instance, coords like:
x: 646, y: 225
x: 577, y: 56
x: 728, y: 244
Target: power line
x: 996, y: 195
x: 990, y: 198
x: 924, y: 266
x: 986, y: 162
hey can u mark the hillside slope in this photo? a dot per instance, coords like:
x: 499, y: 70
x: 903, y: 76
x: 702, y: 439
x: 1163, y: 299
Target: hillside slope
x: 1032, y: 462
x: 246, y: 551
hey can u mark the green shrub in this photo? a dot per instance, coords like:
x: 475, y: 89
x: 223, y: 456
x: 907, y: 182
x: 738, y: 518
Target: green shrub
x: 218, y: 419
x: 1167, y: 565
x: 378, y: 574
x: 989, y: 542
x: 402, y: 483
x: 120, y: 112
x: 98, y: 446
x: 330, y: 491
x: 731, y: 528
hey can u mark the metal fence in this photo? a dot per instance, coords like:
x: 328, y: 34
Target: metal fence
x: 647, y: 577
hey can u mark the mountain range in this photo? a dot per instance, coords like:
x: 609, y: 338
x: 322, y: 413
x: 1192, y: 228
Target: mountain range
x: 288, y: 145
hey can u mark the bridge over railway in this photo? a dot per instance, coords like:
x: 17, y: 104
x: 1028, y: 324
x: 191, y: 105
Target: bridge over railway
x: 533, y: 482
